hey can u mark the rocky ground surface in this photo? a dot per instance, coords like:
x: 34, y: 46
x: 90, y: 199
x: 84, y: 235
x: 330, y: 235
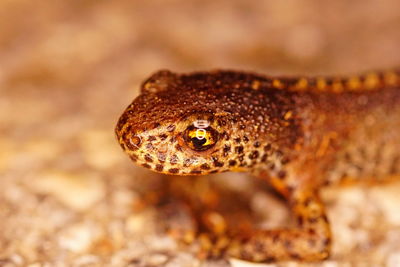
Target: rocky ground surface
x: 70, y: 197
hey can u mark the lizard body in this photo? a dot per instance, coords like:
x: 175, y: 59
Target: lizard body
x: 299, y: 134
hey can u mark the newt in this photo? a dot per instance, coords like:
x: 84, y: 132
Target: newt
x: 298, y: 134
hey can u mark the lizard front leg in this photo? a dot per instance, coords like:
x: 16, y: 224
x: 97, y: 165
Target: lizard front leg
x: 197, y: 209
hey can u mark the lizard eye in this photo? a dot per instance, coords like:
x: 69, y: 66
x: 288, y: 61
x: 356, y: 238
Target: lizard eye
x: 200, y: 139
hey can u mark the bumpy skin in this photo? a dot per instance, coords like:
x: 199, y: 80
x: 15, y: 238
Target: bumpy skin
x: 299, y: 134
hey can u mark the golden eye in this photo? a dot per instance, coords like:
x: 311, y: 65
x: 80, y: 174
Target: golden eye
x: 200, y: 139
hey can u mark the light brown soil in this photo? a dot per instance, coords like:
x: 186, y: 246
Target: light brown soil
x: 68, y: 194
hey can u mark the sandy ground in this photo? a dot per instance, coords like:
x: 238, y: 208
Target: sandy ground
x: 70, y: 197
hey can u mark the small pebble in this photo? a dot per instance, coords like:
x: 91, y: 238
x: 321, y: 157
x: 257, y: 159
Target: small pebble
x: 77, y: 238
x: 157, y: 259
x: 393, y: 260
x: 240, y: 263
x: 77, y: 191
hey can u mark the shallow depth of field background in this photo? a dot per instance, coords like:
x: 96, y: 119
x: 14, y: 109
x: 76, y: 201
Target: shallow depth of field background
x: 68, y: 194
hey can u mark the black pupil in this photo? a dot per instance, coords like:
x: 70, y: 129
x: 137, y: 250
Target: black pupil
x: 200, y: 139
x: 198, y: 143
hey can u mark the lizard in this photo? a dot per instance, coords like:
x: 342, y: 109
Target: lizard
x: 299, y: 134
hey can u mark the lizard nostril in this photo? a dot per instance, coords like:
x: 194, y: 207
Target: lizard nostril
x: 135, y: 141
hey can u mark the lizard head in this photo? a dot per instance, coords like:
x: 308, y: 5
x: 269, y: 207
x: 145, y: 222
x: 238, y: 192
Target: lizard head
x: 192, y: 124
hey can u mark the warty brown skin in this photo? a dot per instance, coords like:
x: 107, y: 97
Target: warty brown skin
x: 299, y: 134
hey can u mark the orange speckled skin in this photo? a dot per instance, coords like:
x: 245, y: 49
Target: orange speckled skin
x: 299, y: 134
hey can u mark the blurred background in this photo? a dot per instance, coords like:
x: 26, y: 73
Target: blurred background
x: 68, y: 194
